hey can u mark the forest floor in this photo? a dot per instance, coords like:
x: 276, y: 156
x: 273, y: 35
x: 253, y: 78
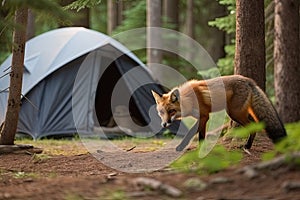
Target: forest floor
x: 66, y: 170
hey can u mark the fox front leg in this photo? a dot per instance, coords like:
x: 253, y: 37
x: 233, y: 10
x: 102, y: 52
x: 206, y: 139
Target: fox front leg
x: 187, y: 138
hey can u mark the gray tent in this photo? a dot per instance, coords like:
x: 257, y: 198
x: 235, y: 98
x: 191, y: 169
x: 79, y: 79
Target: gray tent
x: 75, y: 79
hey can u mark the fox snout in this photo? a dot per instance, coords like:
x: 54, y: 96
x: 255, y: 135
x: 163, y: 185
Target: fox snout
x: 166, y: 124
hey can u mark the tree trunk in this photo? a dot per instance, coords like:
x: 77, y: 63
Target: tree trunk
x: 120, y: 8
x: 190, y: 22
x: 190, y: 27
x: 250, y: 55
x: 14, y: 98
x: 112, y: 18
x: 171, y: 13
x: 286, y: 59
x: 153, y: 37
x: 30, y: 32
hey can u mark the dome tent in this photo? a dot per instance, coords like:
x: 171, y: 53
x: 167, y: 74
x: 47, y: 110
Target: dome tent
x: 68, y: 62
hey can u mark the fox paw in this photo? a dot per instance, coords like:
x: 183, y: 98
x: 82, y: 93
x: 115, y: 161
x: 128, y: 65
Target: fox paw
x: 247, y: 151
x: 180, y: 147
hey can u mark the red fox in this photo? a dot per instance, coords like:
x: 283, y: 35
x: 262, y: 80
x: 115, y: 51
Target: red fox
x: 239, y: 95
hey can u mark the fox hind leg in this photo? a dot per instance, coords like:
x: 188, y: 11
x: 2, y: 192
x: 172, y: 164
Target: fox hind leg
x: 242, y: 117
x: 202, y: 127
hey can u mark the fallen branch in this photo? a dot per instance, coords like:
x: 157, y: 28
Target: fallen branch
x: 278, y: 162
x: 251, y: 171
x: 130, y: 149
x: 20, y: 148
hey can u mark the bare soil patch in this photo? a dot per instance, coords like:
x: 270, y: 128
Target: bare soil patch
x: 79, y: 175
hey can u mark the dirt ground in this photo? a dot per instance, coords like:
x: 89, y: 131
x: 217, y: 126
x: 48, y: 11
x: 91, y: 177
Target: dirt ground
x: 81, y: 176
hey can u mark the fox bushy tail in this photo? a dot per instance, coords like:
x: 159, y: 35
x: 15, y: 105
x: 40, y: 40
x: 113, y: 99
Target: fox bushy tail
x: 265, y: 112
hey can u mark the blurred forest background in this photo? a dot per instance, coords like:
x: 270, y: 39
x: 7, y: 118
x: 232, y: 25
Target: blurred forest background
x: 114, y: 16
x: 211, y: 23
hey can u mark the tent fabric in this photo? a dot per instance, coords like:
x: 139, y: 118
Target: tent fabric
x: 68, y: 82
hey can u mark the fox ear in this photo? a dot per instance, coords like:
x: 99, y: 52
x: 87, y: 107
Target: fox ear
x: 175, y: 96
x: 156, y: 96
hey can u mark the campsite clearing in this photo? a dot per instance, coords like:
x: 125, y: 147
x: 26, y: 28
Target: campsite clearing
x: 65, y: 170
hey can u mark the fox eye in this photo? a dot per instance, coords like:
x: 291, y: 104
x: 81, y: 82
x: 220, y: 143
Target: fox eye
x: 172, y: 111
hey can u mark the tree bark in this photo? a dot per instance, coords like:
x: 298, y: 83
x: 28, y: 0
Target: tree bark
x: 190, y: 27
x: 112, y: 17
x: 153, y: 37
x: 286, y: 59
x: 14, y: 98
x: 30, y: 32
x: 190, y: 22
x: 250, y: 55
x: 120, y: 9
x: 171, y: 12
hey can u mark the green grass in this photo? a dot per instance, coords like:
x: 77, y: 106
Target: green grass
x: 25, y: 175
x: 289, y: 144
x: 63, y: 147
x: 53, y: 147
x: 218, y: 159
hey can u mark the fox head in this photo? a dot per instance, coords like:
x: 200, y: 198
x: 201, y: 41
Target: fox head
x: 168, y: 106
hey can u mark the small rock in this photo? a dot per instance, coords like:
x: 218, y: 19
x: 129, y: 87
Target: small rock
x: 170, y: 190
x: 143, y: 182
x: 291, y: 185
x: 220, y: 180
x: 7, y: 195
x: 250, y: 173
x: 112, y: 175
x: 195, y: 184
x: 139, y: 194
x: 28, y: 180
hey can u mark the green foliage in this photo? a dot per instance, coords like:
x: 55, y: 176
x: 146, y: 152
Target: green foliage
x: 226, y: 64
x: 209, y: 73
x: 48, y: 14
x: 135, y: 17
x: 25, y: 175
x: 244, y: 132
x: 269, y: 38
x: 47, y: 6
x: 81, y: 4
x: 289, y: 144
x: 219, y: 158
x: 98, y: 18
x: 73, y: 196
x: 115, y: 195
x: 227, y: 24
